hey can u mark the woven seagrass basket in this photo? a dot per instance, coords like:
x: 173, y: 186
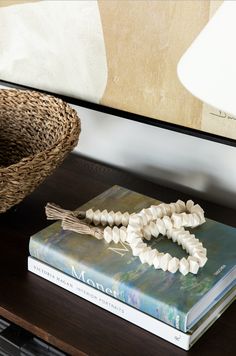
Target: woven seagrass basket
x: 37, y: 131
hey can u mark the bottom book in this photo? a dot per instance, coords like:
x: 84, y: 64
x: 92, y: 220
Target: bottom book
x: 169, y: 333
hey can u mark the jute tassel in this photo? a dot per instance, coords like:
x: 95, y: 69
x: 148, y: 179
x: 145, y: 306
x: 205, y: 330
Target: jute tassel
x: 72, y: 223
x: 70, y: 220
x: 55, y: 212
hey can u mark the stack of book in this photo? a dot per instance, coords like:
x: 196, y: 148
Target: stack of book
x: 174, y: 307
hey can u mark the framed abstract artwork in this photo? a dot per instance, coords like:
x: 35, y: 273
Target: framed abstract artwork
x: 114, y: 56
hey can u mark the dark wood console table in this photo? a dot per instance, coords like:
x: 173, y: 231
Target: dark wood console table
x: 63, y: 319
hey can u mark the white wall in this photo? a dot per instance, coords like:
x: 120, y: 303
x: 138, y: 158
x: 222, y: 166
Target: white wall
x: 175, y: 159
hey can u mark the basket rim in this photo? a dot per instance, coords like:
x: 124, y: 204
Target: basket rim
x: 72, y: 132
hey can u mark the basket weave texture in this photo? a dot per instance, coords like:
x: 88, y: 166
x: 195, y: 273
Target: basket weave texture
x: 37, y: 131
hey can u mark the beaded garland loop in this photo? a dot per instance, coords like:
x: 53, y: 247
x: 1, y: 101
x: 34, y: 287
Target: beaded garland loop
x: 169, y: 220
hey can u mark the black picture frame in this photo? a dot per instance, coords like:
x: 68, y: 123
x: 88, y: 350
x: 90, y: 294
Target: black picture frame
x: 130, y: 116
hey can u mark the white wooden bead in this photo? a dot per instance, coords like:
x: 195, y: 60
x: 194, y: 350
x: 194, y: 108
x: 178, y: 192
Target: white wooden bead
x: 153, y: 229
x: 169, y: 233
x: 123, y: 234
x: 193, y: 264
x: 182, y: 238
x: 135, y: 242
x: 116, y: 234
x: 167, y: 222
x: 147, y: 233
x: 153, y: 211
x: 172, y: 208
x: 165, y: 261
x: 125, y: 219
x: 143, y: 217
x: 192, y: 221
x: 184, y: 266
x: 144, y: 255
x: 104, y: 217
x: 185, y: 219
x: 177, y: 220
x: 111, y: 218
x: 189, y: 238
x: 148, y: 214
x: 157, y: 260
x: 191, y: 245
x: 163, y: 208
x: 138, y: 249
x: 202, y: 259
x: 132, y: 236
x: 176, y: 232
x: 135, y: 220
x: 89, y: 215
x: 189, y: 205
x: 196, y: 208
x: 199, y: 248
x: 159, y: 212
x: 177, y: 208
x: 173, y: 265
x: 201, y: 216
x: 97, y: 217
x: 107, y: 234
x: 181, y: 204
x: 118, y: 218
x: 161, y: 226
x: 168, y: 210
x: 196, y: 219
x: 152, y: 254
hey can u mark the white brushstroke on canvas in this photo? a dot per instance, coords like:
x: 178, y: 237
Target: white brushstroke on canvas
x: 56, y: 46
x: 207, y: 69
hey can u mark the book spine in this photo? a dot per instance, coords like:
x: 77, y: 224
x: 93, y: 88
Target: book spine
x: 109, y: 303
x: 112, y: 286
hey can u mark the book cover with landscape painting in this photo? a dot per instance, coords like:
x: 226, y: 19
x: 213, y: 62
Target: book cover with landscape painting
x: 177, y: 300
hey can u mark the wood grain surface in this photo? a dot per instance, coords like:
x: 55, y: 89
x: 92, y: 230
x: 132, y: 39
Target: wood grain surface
x: 63, y: 319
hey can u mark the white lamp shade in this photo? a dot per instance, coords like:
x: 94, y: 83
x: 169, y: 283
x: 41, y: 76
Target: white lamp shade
x: 208, y: 68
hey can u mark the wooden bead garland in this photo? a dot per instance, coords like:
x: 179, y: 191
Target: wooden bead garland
x: 166, y: 219
x: 104, y: 217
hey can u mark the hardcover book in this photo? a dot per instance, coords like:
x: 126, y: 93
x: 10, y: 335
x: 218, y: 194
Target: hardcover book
x: 105, y: 301
x: 177, y: 300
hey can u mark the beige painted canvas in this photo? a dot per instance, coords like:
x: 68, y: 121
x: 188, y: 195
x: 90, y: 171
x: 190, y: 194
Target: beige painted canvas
x: 122, y: 54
